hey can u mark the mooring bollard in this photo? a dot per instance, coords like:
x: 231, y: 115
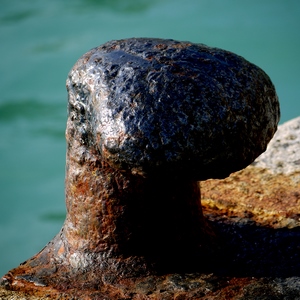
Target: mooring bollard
x: 147, y: 119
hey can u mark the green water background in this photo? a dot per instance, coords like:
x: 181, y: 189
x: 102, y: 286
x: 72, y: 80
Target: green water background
x: 39, y: 43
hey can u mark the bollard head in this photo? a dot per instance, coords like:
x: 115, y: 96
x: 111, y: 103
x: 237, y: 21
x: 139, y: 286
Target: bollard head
x: 166, y: 107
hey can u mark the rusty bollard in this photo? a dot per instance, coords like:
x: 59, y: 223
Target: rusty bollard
x: 147, y: 119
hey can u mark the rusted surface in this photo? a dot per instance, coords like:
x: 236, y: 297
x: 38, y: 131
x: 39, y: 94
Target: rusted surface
x: 120, y: 228
x: 147, y: 119
x: 256, y: 194
x: 256, y: 259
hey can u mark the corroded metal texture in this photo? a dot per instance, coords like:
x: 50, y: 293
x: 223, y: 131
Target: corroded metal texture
x: 154, y: 106
x: 257, y: 259
x: 147, y: 119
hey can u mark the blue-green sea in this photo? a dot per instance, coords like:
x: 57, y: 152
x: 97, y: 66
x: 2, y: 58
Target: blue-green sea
x: 41, y: 40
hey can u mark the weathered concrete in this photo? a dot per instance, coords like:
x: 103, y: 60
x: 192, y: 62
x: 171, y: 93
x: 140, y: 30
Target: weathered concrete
x: 283, y: 153
x: 147, y: 119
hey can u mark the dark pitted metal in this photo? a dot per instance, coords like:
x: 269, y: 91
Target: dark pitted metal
x: 147, y: 119
x: 162, y: 106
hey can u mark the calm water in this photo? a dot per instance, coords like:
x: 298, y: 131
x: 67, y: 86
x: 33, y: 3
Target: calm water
x: 39, y: 43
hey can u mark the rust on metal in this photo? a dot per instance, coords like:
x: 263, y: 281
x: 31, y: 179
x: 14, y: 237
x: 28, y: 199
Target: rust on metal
x: 147, y: 119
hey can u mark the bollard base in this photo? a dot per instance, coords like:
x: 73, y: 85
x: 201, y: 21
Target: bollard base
x: 259, y: 257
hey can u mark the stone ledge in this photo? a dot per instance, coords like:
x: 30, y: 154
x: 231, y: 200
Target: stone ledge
x: 283, y: 155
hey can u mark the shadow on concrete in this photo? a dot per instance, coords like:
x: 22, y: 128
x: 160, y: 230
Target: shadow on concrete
x: 250, y: 250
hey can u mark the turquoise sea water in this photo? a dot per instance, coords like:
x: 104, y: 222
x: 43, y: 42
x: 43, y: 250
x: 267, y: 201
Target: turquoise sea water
x: 41, y: 40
